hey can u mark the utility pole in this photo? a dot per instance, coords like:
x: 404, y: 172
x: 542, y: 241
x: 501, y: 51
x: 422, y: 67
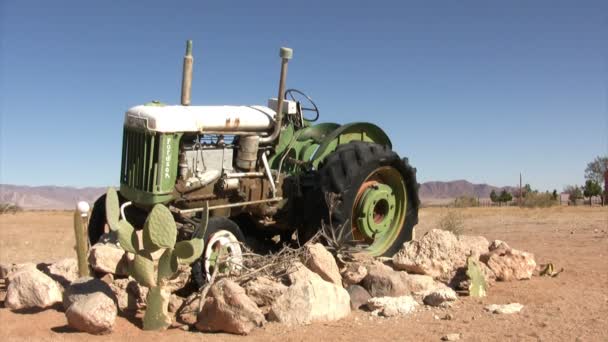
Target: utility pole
x: 521, y: 194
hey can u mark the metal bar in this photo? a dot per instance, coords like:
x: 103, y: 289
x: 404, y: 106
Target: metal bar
x: 223, y: 206
x: 244, y: 174
x: 150, y: 180
x: 267, y: 168
x: 187, y: 74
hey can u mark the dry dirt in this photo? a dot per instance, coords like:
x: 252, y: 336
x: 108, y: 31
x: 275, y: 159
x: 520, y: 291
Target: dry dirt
x: 572, y: 306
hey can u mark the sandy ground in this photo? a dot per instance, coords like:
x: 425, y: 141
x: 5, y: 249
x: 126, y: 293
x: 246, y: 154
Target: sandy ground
x: 570, y: 307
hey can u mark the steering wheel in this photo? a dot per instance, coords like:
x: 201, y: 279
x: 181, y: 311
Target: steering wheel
x: 301, y: 95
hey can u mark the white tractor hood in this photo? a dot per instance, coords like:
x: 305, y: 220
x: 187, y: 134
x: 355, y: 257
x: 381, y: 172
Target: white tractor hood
x: 169, y: 119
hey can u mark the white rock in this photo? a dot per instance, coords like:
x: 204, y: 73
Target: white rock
x: 323, y: 263
x: 84, y: 287
x: 108, y: 258
x: 30, y: 288
x: 64, y: 271
x: 354, y: 273
x: 510, y: 264
x: 392, y: 306
x: 229, y: 309
x: 451, y: 337
x: 441, y: 297
x: 263, y: 291
x: 437, y: 254
x: 504, y: 308
x: 94, y: 313
x: 310, y: 299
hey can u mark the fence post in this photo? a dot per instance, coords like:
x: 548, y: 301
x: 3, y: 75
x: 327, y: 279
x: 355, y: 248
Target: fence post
x: 81, y: 221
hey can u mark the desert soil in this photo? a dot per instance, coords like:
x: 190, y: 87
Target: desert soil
x: 573, y: 306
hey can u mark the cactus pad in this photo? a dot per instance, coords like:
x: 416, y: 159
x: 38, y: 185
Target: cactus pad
x: 157, y: 314
x: 160, y: 230
x: 189, y: 250
x: 478, y: 287
x: 127, y: 237
x: 167, y: 265
x: 112, y: 209
x: 142, y: 269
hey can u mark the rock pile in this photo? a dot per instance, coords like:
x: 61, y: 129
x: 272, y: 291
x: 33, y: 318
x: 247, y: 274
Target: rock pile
x: 425, y: 272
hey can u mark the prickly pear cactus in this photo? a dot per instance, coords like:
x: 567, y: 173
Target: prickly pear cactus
x: 159, y: 234
x: 478, y: 287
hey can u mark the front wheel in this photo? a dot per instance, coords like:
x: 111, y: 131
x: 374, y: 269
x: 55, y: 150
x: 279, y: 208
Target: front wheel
x: 222, y: 237
x: 373, y: 194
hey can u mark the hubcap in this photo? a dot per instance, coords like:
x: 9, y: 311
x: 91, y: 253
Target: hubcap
x: 225, y: 243
x: 379, y: 209
x: 375, y: 209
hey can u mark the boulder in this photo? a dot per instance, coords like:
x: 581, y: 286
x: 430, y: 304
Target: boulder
x: 129, y: 294
x: 310, y: 299
x: 29, y: 288
x: 392, y: 306
x: 64, y: 271
x: 180, y: 279
x: 108, y: 258
x: 474, y: 244
x: 437, y: 254
x: 263, y: 291
x: 383, y: 281
x: 441, y: 297
x: 451, y: 337
x: 175, y: 302
x: 354, y: 273
x: 358, y: 296
x: 498, y: 244
x: 322, y: 262
x: 84, y: 287
x: 504, y: 308
x: 461, y: 280
x: 10, y: 269
x: 510, y: 264
x: 5, y: 269
x: 187, y: 313
x: 419, y: 283
x: 229, y: 309
x: 94, y: 313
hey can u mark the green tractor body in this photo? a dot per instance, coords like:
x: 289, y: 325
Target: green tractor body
x: 275, y: 172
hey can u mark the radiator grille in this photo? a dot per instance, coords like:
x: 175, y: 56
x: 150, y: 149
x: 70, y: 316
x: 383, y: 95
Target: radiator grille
x: 139, y: 168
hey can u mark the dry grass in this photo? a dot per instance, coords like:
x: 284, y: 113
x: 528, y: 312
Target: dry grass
x: 452, y: 221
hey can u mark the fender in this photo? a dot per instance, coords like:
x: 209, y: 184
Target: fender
x: 356, y: 131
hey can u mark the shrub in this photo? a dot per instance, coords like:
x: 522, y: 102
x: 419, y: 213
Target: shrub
x: 453, y: 222
x: 9, y: 208
x: 465, y: 202
x: 541, y: 200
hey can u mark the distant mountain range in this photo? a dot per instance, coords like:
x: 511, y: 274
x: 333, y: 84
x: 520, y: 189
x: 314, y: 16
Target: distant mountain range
x: 433, y: 192
x: 63, y: 197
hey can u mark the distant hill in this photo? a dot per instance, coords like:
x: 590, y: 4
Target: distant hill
x: 431, y: 191
x: 62, y: 197
x: 47, y: 197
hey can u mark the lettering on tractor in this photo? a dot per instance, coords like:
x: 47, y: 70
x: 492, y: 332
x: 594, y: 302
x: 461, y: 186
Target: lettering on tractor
x: 263, y: 171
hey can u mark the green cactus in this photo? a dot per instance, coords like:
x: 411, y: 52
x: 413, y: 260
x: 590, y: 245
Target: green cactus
x: 112, y: 209
x: 478, y: 287
x: 159, y: 234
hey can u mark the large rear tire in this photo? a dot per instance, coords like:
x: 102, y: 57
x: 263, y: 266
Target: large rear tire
x: 221, y: 233
x: 375, y: 196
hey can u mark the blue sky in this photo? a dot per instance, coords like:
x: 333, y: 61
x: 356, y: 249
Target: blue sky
x: 476, y: 90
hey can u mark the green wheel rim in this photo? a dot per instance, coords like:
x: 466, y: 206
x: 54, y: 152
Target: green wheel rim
x: 378, y: 213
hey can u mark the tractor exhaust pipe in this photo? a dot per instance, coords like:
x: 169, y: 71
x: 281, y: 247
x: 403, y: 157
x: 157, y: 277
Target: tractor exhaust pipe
x: 286, y: 54
x: 187, y: 74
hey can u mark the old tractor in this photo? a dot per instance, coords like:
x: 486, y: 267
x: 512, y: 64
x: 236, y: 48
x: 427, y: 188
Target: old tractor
x: 262, y: 172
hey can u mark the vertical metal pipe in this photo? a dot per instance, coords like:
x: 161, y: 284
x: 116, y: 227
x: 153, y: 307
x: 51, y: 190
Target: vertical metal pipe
x: 286, y: 54
x: 187, y: 74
